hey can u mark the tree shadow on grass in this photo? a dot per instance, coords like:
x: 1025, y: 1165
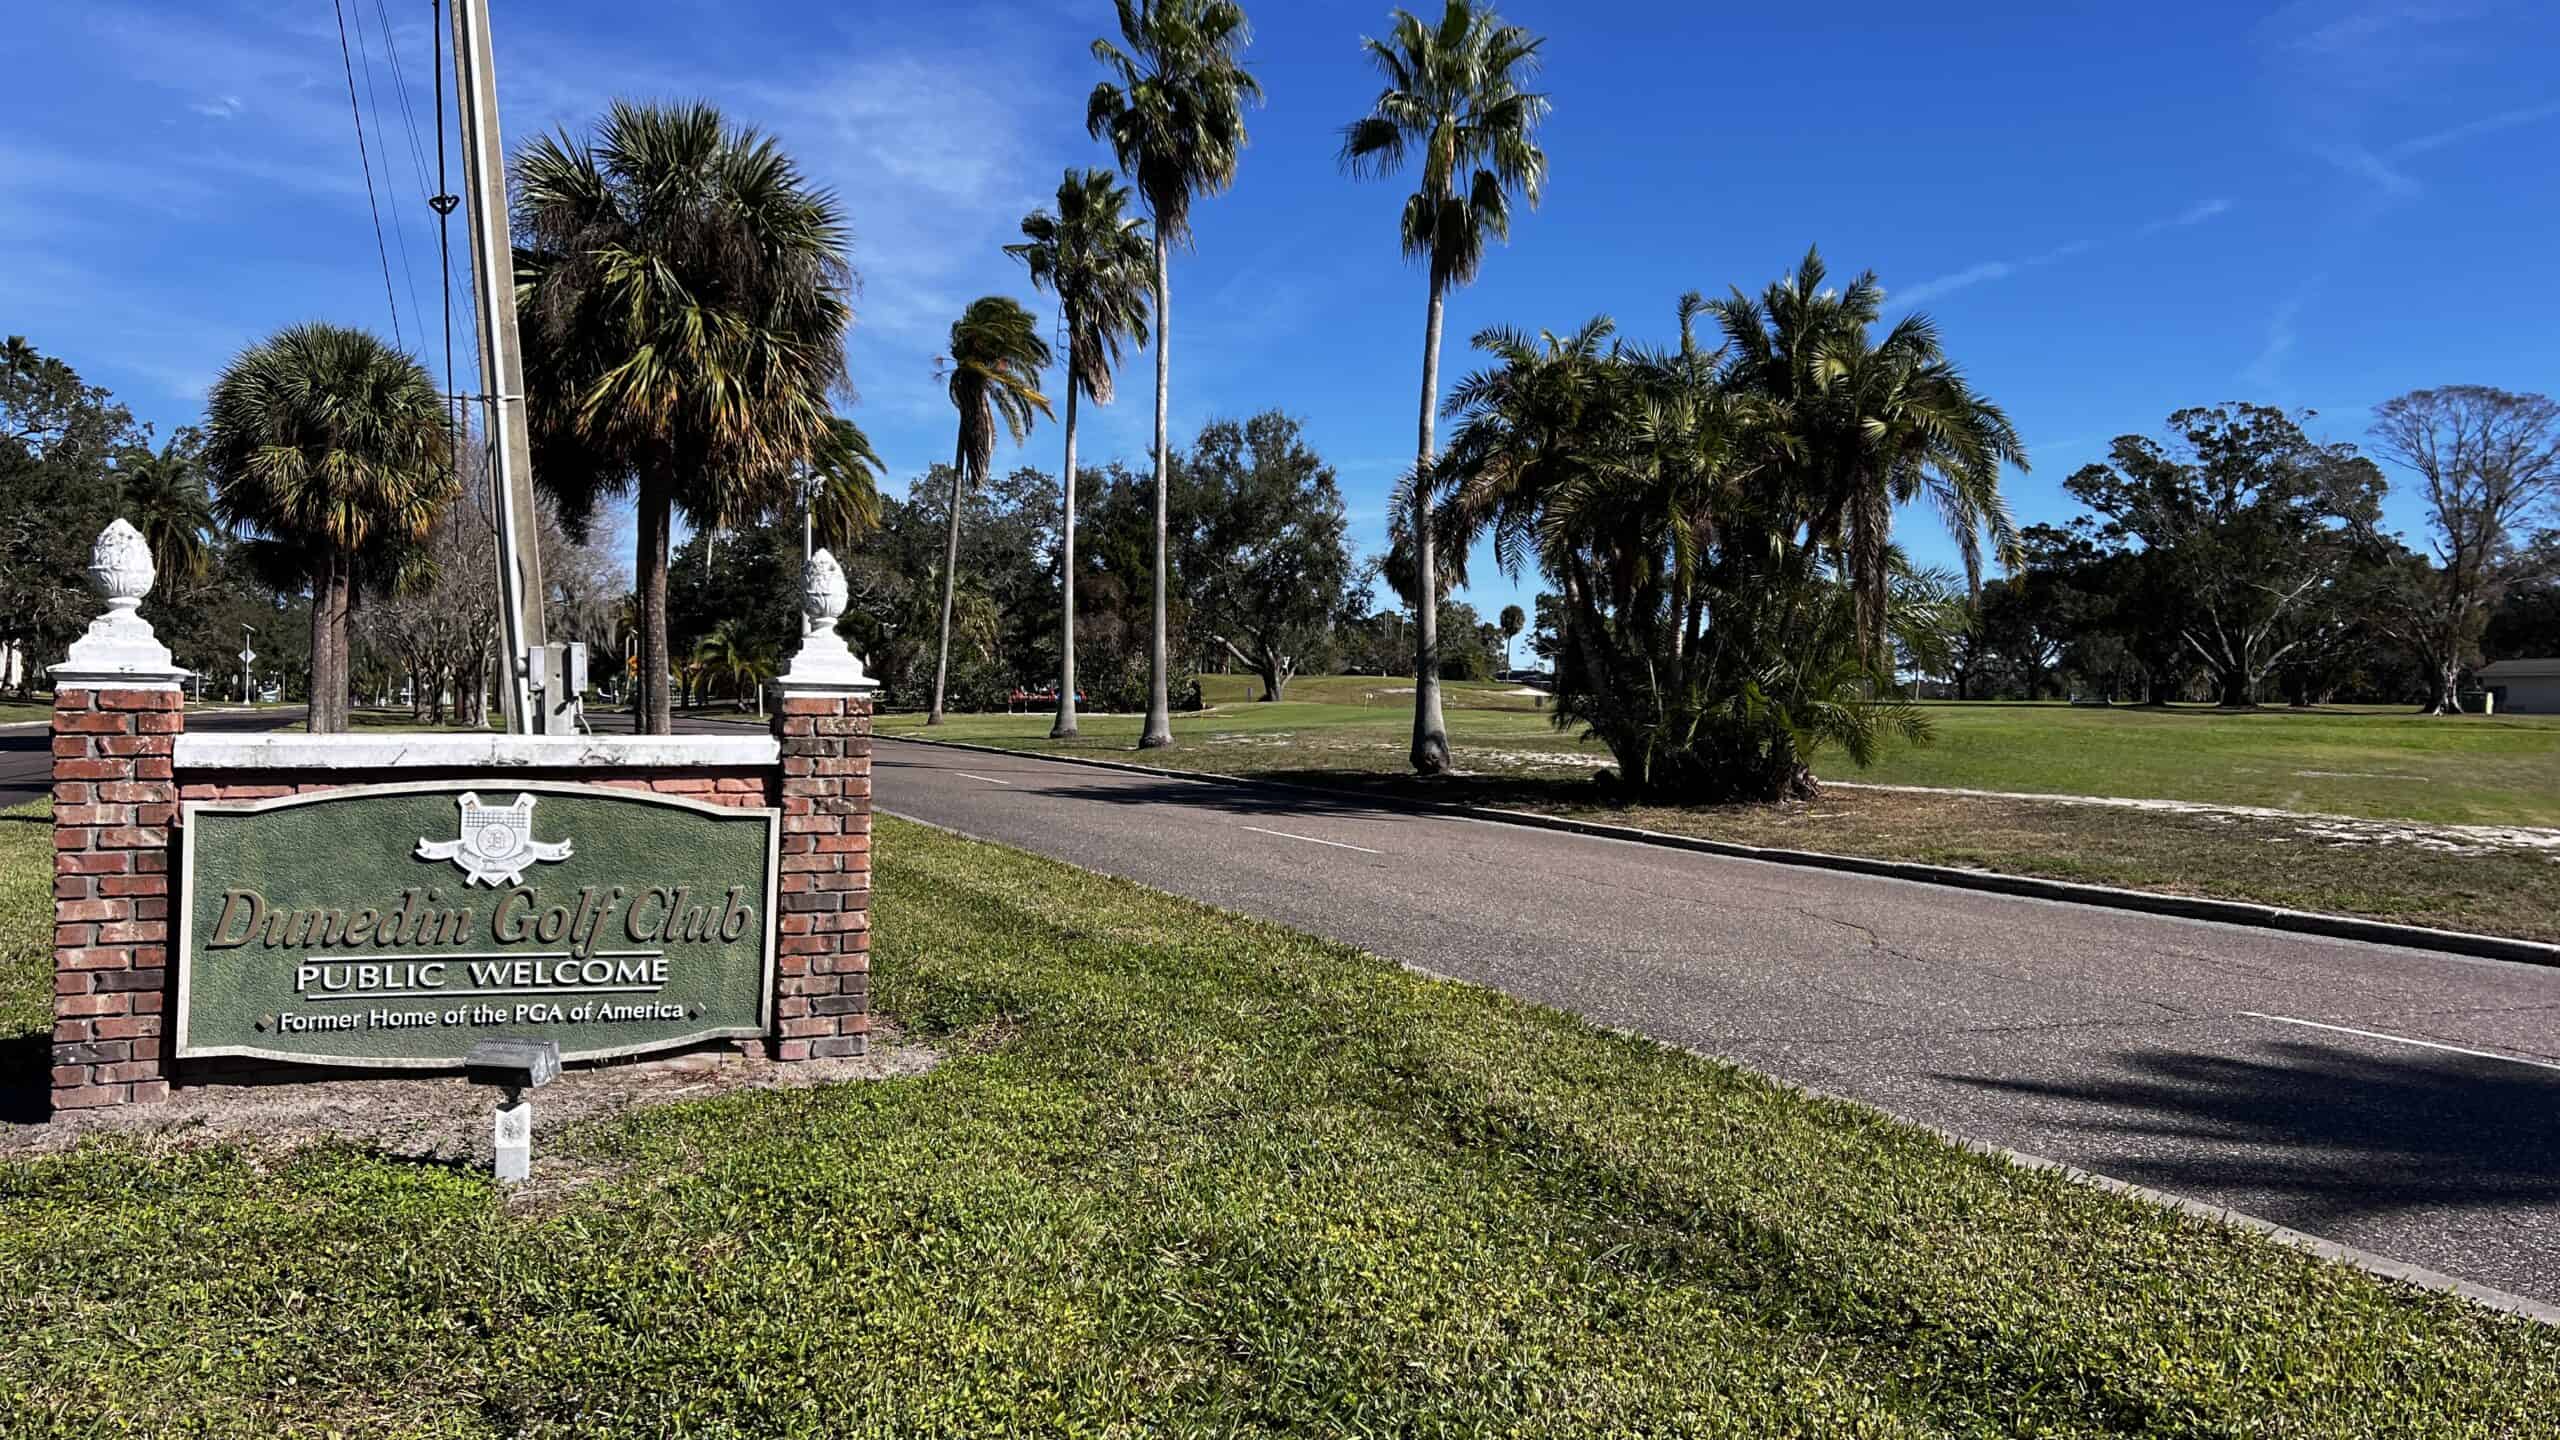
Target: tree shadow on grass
x: 1245, y: 797
x: 2341, y: 1136
x: 1361, y: 788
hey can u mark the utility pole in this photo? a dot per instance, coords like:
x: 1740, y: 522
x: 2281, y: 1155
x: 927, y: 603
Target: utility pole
x: 520, y: 625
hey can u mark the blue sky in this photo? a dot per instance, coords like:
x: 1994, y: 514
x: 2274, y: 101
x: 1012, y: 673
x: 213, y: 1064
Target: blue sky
x: 2112, y: 210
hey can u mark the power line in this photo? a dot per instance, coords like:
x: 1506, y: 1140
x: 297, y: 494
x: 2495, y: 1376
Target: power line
x: 365, y: 155
x: 400, y: 84
x: 399, y: 231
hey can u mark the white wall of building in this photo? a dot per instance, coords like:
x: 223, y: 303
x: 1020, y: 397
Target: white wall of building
x: 2526, y: 687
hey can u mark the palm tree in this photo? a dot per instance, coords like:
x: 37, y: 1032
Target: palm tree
x: 1862, y: 426
x: 1174, y: 115
x: 843, y: 499
x: 1454, y: 94
x: 685, y: 293
x: 1514, y: 620
x: 164, y: 497
x: 1096, y: 259
x: 1704, y: 638
x: 1531, y: 425
x: 330, y: 445
x: 728, y: 654
x: 996, y: 359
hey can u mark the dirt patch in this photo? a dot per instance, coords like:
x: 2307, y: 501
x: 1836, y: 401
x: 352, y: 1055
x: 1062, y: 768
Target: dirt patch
x: 1502, y: 760
x: 2324, y: 829
x: 446, y: 1119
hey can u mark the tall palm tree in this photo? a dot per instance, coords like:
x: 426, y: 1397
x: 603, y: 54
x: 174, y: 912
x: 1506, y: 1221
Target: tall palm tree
x: 1097, y: 260
x: 1174, y: 114
x: 684, y: 292
x: 996, y: 359
x: 1454, y: 94
x: 164, y: 497
x: 1862, y: 425
x: 330, y: 446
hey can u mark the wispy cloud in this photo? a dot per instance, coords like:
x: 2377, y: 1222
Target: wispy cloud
x: 2266, y: 371
x: 1990, y: 270
x: 2195, y: 214
x: 220, y: 107
x: 2471, y: 130
x: 1928, y: 290
x: 2383, y: 179
x: 2337, y: 68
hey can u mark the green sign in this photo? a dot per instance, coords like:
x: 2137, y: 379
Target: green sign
x: 395, y: 925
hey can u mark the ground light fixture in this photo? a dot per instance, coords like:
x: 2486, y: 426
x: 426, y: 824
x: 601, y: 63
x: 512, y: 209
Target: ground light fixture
x: 514, y: 1066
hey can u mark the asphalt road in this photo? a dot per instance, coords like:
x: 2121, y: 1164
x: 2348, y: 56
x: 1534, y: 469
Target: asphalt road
x: 2214, y: 1061
x: 26, y: 751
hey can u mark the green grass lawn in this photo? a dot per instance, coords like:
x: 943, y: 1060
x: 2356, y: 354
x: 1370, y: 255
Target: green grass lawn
x: 1182, y: 1173
x: 2383, y: 763
x: 2493, y: 891
x: 26, y: 929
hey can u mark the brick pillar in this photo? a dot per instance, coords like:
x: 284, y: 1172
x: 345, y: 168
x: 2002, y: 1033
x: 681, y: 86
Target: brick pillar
x: 822, y: 985
x: 113, y: 799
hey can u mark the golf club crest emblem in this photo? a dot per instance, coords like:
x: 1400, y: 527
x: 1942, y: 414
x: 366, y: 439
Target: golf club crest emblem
x: 496, y: 843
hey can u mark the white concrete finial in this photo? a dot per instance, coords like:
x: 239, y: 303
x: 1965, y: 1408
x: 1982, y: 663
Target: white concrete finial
x: 120, y: 566
x: 825, y: 664
x: 823, y: 594
x: 119, y: 648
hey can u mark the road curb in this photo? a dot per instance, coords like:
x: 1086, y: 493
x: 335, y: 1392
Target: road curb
x: 2371, y: 1262
x: 2069, y: 892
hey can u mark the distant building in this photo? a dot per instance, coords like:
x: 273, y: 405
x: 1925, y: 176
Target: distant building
x: 2526, y: 687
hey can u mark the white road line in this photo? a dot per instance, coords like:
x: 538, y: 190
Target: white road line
x: 2403, y: 1040
x: 990, y: 779
x: 1310, y: 839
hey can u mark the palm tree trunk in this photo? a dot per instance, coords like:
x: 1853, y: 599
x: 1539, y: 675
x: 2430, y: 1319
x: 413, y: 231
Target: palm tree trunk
x: 341, y: 642
x: 653, y: 708
x: 315, y: 711
x: 950, y: 585
x: 1430, y: 731
x: 319, y: 717
x: 1158, y: 733
x: 1065, y: 726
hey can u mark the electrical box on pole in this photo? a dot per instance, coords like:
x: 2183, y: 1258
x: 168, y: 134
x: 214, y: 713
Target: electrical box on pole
x: 484, y: 167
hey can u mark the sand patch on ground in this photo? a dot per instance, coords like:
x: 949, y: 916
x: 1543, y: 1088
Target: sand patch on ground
x: 1549, y: 759
x: 1254, y: 737
x: 2334, y: 830
x: 445, y: 1119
